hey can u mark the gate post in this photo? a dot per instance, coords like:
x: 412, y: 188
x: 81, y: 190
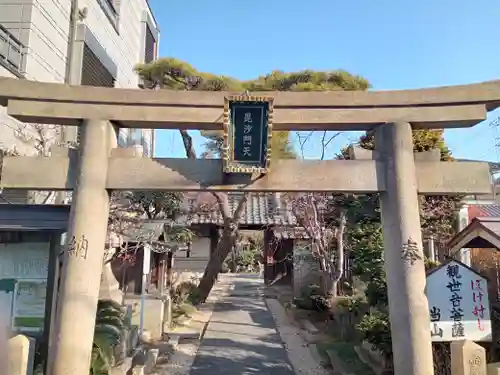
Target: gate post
x: 84, y: 252
x: 403, y: 253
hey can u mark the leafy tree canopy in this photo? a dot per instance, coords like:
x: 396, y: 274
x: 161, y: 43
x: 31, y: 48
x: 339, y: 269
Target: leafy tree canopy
x: 174, y: 74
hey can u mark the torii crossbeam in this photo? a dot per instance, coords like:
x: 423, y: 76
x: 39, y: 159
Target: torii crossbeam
x: 395, y: 172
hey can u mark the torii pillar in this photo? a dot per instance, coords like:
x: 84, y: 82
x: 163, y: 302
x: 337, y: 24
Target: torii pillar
x: 83, y: 259
x: 403, y: 252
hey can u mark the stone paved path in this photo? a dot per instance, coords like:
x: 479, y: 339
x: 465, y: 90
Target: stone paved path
x: 241, y: 337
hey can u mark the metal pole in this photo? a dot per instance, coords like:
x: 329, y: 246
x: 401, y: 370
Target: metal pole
x: 146, y: 265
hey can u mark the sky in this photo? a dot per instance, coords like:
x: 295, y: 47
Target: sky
x: 395, y: 44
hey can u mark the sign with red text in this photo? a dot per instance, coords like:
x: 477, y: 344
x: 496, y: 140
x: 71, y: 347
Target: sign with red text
x: 459, y: 308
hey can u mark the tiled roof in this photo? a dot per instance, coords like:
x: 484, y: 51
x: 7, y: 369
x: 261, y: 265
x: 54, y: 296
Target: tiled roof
x: 291, y: 233
x: 483, y: 210
x: 261, y: 209
x: 296, y: 232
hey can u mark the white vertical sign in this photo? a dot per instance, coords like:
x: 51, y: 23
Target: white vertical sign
x: 146, y: 263
x: 458, y: 304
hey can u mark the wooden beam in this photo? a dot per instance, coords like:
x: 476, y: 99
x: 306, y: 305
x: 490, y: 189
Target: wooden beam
x: 163, y: 117
x: 479, y: 93
x: 355, y: 176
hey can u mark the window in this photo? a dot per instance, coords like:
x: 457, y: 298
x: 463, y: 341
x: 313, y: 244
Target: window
x: 111, y: 4
x: 11, y: 52
x: 94, y: 73
x: 150, y: 37
x: 111, y: 10
x: 150, y: 46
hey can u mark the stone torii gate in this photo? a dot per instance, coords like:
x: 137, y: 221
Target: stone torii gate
x: 393, y: 171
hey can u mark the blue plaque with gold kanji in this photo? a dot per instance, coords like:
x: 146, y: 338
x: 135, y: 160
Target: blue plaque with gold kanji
x: 247, y: 134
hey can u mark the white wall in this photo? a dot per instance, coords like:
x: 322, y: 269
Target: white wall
x: 43, y: 27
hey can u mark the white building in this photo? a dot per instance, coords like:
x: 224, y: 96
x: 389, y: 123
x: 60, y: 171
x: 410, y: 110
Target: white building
x: 87, y: 42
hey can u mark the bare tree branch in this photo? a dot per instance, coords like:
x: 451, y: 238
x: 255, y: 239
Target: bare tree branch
x: 326, y: 138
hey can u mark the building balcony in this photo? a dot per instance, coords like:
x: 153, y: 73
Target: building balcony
x: 11, y: 52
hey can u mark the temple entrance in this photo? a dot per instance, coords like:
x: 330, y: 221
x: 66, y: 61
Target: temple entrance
x: 393, y: 171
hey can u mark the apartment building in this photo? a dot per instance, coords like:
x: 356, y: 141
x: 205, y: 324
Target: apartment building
x: 79, y: 42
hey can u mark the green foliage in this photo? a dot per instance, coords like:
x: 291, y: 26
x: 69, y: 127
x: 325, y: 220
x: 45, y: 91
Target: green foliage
x: 366, y: 247
x: 246, y: 261
x: 160, y: 205
x: 177, y: 234
x: 182, y: 292
x: 108, y: 333
x: 184, y: 297
x: 365, y: 240
x: 157, y: 204
x: 376, y: 292
x: 431, y: 264
x: 376, y: 330
x: 436, y: 212
x: 353, y: 305
x: 307, y: 80
x: 312, y: 298
x: 182, y: 311
x: 185, y: 292
x: 247, y: 257
x: 174, y: 74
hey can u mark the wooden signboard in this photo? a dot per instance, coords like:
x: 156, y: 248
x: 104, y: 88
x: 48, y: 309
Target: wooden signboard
x: 247, y: 134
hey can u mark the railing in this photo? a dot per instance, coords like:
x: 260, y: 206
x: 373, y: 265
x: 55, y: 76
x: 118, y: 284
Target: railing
x: 11, y: 52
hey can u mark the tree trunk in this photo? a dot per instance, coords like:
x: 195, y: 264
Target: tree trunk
x: 339, y: 261
x: 228, y: 234
x: 188, y: 144
x: 333, y: 289
x: 215, y: 263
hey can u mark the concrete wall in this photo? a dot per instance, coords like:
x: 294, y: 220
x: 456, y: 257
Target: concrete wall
x: 44, y: 26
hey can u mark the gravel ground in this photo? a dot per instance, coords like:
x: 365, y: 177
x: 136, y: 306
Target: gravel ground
x: 180, y: 362
x: 303, y: 361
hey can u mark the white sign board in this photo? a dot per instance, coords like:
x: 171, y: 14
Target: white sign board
x: 28, y: 260
x: 29, y: 305
x: 146, y: 263
x: 458, y: 304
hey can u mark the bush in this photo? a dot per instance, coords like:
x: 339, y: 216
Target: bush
x: 183, y: 292
x: 352, y: 305
x: 247, y: 260
x: 184, y: 297
x: 376, y: 329
x: 182, y: 311
x: 108, y: 333
x: 311, y: 298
